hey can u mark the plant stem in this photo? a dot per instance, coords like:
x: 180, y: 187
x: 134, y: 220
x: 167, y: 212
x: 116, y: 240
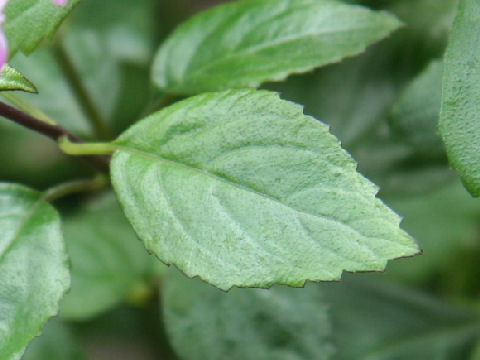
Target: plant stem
x: 54, y: 132
x: 87, y: 185
x: 81, y: 93
x: 75, y: 148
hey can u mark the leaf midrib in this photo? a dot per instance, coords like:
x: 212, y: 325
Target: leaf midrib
x: 258, y: 48
x: 24, y: 221
x: 250, y: 190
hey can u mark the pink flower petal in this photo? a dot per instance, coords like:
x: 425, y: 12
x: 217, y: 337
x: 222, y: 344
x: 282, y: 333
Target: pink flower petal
x: 3, y: 3
x: 60, y: 2
x: 3, y: 49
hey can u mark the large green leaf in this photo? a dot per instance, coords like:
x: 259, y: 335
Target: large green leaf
x: 108, y: 261
x: 242, y: 189
x: 245, y: 324
x: 460, y: 114
x: 33, y: 267
x: 245, y: 43
x: 30, y: 21
x: 11, y: 80
x: 374, y: 320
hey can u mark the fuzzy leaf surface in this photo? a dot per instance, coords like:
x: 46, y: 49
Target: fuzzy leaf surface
x: 34, y: 271
x: 242, y: 189
x: 28, y: 22
x: 245, y: 43
x: 11, y: 79
x: 460, y: 114
x: 245, y: 324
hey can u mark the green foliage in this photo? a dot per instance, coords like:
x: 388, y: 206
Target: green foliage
x: 33, y: 267
x: 460, y: 116
x: 56, y: 98
x: 11, y: 79
x: 240, y: 188
x: 245, y: 43
x: 268, y: 213
x: 388, y: 322
x: 30, y: 21
x: 246, y: 324
x: 56, y: 342
x: 415, y: 115
x: 445, y: 223
x: 108, y: 262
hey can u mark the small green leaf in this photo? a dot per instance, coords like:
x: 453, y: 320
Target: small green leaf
x: 375, y: 320
x: 11, y: 79
x: 28, y: 22
x: 460, y: 114
x: 415, y: 115
x: 245, y: 324
x: 34, y: 271
x: 242, y: 189
x: 245, y: 43
x: 108, y: 260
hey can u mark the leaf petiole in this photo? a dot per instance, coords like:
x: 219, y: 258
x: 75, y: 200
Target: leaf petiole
x: 72, y: 148
x: 87, y: 185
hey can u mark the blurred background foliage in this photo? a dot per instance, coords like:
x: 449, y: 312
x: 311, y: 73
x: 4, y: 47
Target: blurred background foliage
x: 375, y: 103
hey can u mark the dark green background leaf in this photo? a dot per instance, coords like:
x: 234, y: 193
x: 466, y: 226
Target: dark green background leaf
x: 245, y: 324
x: 245, y: 43
x: 100, y: 75
x: 444, y: 222
x: 55, y: 343
x: 374, y: 320
x: 108, y: 261
x: 416, y: 113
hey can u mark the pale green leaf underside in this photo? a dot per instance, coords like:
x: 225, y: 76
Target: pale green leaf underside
x: 240, y: 188
x: 245, y: 324
x: 28, y: 22
x: 460, y: 114
x: 245, y: 43
x: 12, y: 80
x: 33, y: 267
